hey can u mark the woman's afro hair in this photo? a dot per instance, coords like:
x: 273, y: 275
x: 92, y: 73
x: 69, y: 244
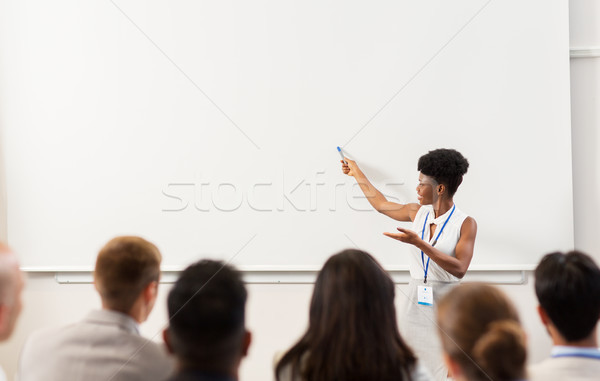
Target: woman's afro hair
x: 446, y: 166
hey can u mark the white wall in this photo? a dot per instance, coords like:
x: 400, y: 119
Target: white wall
x: 585, y: 122
x: 277, y: 314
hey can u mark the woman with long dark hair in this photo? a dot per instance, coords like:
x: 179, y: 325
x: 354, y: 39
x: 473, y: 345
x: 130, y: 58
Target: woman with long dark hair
x: 353, y: 333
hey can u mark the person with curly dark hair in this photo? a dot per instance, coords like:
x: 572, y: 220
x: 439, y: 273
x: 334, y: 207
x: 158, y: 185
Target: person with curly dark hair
x: 442, y: 239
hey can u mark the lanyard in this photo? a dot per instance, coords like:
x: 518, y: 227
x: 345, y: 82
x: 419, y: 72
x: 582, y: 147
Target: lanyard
x: 426, y: 267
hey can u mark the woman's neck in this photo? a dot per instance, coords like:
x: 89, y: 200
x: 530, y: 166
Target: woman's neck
x: 442, y: 205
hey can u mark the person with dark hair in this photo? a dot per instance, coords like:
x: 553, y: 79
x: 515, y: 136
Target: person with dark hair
x: 442, y: 239
x: 106, y: 344
x: 352, y: 333
x: 481, y: 335
x: 207, y: 331
x: 568, y: 290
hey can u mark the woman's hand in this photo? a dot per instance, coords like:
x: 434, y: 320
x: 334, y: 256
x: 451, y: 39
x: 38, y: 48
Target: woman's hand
x: 406, y: 236
x: 349, y: 167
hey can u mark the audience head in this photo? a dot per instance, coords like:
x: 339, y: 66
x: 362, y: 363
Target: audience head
x: 569, y: 282
x: 207, y: 318
x: 126, y: 276
x: 481, y: 335
x: 353, y: 332
x: 11, y: 286
x: 446, y: 166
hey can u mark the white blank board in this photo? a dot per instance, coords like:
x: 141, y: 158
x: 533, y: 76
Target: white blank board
x: 211, y: 128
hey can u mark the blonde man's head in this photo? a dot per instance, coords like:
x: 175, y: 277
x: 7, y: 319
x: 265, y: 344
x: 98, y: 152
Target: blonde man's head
x: 125, y: 267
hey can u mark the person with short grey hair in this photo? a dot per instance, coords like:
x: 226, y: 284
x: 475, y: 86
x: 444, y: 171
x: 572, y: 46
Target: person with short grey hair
x: 11, y: 287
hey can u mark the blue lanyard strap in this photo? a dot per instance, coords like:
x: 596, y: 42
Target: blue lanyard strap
x: 422, y: 257
x: 426, y: 267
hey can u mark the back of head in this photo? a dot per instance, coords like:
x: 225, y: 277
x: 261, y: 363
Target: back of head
x: 11, y: 285
x: 480, y: 331
x: 569, y: 282
x: 353, y: 332
x: 207, y: 317
x: 446, y: 166
x: 124, y: 267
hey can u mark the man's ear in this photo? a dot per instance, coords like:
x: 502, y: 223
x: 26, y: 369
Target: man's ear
x: 453, y: 368
x: 4, y: 318
x: 246, y: 341
x: 151, y: 291
x: 167, y: 340
x: 95, y: 281
x: 543, y: 315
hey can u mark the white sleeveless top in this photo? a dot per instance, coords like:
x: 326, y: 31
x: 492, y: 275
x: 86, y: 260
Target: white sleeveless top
x: 446, y: 243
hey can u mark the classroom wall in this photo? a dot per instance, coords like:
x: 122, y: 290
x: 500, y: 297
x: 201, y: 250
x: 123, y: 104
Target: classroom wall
x: 585, y: 123
x: 277, y: 313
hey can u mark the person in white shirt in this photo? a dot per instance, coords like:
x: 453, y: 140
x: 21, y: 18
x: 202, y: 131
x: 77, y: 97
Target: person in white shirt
x: 11, y: 287
x: 107, y: 344
x: 568, y: 290
x: 442, y: 240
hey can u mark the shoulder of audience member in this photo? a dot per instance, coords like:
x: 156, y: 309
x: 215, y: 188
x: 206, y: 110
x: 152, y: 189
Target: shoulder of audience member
x: 421, y: 373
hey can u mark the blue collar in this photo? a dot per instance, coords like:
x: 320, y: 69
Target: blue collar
x: 566, y: 351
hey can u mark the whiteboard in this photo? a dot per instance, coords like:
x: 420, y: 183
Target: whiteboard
x: 211, y: 128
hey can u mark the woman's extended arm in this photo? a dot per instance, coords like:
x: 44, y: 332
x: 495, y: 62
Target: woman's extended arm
x: 456, y: 266
x: 399, y: 212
